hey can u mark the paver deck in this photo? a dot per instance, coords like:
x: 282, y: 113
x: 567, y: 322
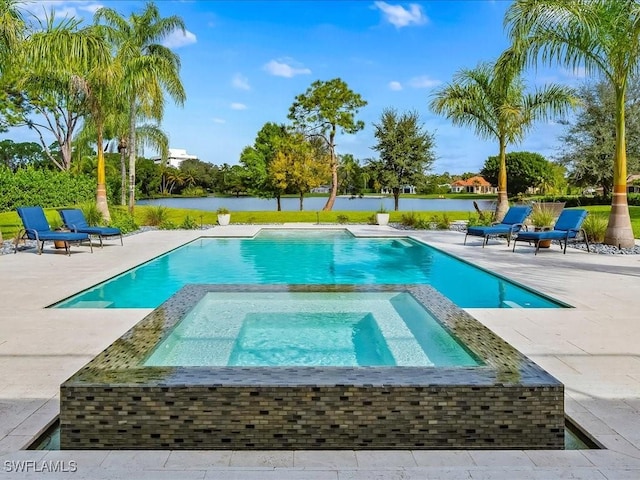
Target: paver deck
x: 594, y: 349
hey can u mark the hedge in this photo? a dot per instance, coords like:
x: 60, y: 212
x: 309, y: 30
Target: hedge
x: 47, y: 188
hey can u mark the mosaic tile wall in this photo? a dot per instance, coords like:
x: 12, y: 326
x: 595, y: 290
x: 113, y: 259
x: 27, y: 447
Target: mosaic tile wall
x: 114, y: 402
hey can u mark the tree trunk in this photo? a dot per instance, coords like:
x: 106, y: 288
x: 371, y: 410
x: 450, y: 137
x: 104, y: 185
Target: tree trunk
x: 132, y: 155
x: 278, y: 203
x: 396, y: 198
x: 503, y: 199
x: 122, y: 149
x: 619, y: 232
x: 101, y: 190
x: 301, y: 200
x: 334, y: 172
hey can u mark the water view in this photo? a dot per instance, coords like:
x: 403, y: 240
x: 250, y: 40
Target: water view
x: 313, y: 204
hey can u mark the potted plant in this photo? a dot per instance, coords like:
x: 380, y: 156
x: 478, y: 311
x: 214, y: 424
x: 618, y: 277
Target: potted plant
x: 542, y: 219
x: 382, y: 216
x: 224, y: 217
x: 57, y: 225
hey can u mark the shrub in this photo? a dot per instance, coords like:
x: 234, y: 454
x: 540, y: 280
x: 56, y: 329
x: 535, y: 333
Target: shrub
x: 372, y: 220
x: 123, y: 220
x: 409, y: 219
x: 194, y: 191
x: 439, y: 222
x: 222, y: 211
x: 189, y: 224
x: 167, y: 224
x: 595, y: 226
x: 421, y: 224
x: 92, y: 215
x: 156, y: 216
x: 47, y: 188
x: 476, y: 220
x: 342, y: 219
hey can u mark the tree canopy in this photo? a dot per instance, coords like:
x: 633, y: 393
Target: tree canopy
x: 405, y: 149
x: 526, y: 170
x: 588, y: 146
x: 324, y: 108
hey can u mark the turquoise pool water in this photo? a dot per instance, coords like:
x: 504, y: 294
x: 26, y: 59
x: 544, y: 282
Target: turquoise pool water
x: 309, y: 329
x: 307, y: 257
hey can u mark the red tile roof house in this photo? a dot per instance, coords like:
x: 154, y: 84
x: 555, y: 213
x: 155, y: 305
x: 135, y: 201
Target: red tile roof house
x: 475, y: 184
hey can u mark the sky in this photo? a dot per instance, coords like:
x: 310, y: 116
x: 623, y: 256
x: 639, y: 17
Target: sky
x: 243, y: 62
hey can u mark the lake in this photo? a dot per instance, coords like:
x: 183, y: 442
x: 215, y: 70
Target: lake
x: 314, y: 204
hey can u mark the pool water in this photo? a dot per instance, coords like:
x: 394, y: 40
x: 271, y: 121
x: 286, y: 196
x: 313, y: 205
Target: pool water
x: 309, y: 329
x: 307, y: 257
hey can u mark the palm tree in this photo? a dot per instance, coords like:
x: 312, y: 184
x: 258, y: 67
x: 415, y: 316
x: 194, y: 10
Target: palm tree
x: 117, y: 135
x: 603, y: 37
x: 495, y: 103
x: 150, y: 69
x: 12, y: 28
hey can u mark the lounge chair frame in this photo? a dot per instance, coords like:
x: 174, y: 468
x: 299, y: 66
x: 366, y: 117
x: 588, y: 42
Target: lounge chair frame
x: 74, y: 220
x: 42, y: 235
x: 570, y: 235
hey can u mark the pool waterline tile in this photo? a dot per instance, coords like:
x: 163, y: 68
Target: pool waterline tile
x: 115, y: 402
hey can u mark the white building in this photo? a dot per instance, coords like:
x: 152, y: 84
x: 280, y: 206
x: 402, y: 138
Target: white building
x: 176, y: 157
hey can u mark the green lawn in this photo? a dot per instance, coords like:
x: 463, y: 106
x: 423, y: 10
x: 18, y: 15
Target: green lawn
x: 10, y: 222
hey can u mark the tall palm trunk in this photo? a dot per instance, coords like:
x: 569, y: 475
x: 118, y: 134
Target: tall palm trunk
x: 503, y: 198
x: 132, y: 155
x: 619, y: 231
x: 334, y: 172
x: 122, y: 149
x: 101, y: 190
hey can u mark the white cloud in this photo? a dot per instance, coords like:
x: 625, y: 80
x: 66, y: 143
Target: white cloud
x: 177, y: 39
x: 240, y: 82
x: 61, y: 8
x: 400, y: 17
x: 282, y: 69
x: 219, y: 120
x: 424, y: 81
x: 238, y: 106
x: 578, y: 72
x: 395, y: 85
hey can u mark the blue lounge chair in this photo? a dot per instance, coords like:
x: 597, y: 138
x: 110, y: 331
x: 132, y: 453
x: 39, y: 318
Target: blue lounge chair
x: 37, y: 228
x: 511, y: 224
x: 74, y: 220
x: 567, y: 227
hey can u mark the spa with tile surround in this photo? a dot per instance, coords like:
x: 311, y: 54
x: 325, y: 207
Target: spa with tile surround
x: 502, y: 401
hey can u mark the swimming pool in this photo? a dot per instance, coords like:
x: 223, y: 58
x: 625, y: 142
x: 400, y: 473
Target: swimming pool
x: 309, y: 257
x: 309, y: 329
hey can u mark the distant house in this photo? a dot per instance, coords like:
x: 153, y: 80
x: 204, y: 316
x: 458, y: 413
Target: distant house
x: 322, y: 189
x: 176, y: 157
x: 633, y: 183
x: 411, y: 189
x: 475, y: 184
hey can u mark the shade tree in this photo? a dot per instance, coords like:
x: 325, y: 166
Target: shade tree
x: 324, y: 110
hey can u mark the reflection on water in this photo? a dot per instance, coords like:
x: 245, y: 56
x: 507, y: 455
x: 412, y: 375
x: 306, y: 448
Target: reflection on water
x: 313, y: 204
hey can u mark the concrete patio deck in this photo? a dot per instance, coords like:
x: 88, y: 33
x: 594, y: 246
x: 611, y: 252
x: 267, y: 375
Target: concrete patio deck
x: 593, y: 348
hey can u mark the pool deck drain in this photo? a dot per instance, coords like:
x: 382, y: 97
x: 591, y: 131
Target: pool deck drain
x: 594, y: 349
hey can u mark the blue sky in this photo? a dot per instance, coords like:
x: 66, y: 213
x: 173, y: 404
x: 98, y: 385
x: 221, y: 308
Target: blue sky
x: 244, y: 62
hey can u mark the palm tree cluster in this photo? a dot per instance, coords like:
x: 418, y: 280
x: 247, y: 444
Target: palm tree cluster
x: 600, y: 36
x: 109, y: 78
